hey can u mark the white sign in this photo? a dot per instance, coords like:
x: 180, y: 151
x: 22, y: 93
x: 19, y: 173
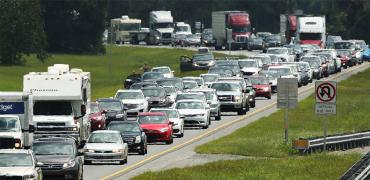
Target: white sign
x: 326, y: 97
x: 287, y: 93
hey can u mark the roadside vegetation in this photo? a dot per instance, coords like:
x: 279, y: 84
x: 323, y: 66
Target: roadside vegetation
x: 105, y: 82
x: 270, y: 157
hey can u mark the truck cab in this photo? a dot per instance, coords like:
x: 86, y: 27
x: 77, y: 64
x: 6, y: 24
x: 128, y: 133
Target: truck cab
x: 61, y: 102
x: 161, y: 27
x: 311, y: 30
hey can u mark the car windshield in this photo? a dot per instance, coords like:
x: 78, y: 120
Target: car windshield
x: 110, y: 105
x: 190, y: 84
x: 124, y: 127
x: 173, y: 82
x: 203, y: 57
x: 152, y: 119
x: 277, y: 51
x: 303, y: 66
x: 181, y: 28
x: 171, y: 113
x: 314, y: 63
x: 189, y: 105
x: 226, y: 86
x: 234, y: 69
x: 162, y: 25
x: 247, y: 64
x: 198, y: 80
x: 220, y: 71
x: 53, y: 148
x: 281, y: 71
x: 9, y: 124
x: 105, y: 138
x: 161, y: 70
x: 273, y: 38
x: 170, y: 90
x: 210, y: 95
x: 344, y: 45
x: 154, y: 92
x: 152, y: 76
x: 52, y: 108
x: 258, y: 81
x: 94, y: 108
x: 15, y: 160
x: 210, y: 78
x: 129, y: 95
x: 198, y: 96
x: 343, y: 53
x: 310, y: 36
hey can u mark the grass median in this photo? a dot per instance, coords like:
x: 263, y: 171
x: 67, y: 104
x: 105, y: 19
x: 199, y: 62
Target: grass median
x: 105, y: 80
x: 262, y: 140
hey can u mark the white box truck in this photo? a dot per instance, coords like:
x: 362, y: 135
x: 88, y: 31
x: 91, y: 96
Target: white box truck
x: 311, y: 30
x: 161, y: 27
x: 16, y: 125
x: 61, y: 102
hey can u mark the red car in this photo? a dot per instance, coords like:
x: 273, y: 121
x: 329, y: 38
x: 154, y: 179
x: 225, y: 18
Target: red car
x: 345, y: 57
x: 97, y: 117
x: 157, y: 126
x: 261, y: 85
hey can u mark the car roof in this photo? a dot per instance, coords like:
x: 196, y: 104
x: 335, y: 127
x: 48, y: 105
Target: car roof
x: 168, y: 79
x: 202, y: 90
x: 209, y: 74
x: 108, y: 99
x: 123, y: 122
x: 15, y: 151
x: 190, y: 93
x: 225, y: 81
x: 161, y: 67
x: 152, y: 114
x: 9, y: 115
x: 190, y: 100
x: 191, y: 77
x: 55, y: 139
x: 190, y: 81
x: 104, y: 131
x: 129, y: 90
x: 163, y: 109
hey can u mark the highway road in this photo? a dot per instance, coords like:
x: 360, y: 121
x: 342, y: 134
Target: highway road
x: 162, y: 156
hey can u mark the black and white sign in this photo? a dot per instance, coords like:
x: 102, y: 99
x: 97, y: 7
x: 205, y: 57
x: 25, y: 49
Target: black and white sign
x: 326, y: 97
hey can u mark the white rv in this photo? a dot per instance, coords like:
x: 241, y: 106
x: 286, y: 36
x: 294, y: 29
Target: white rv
x: 311, y: 30
x: 16, y: 126
x: 61, y: 101
x: 122, y: 27
x: 161, y: 27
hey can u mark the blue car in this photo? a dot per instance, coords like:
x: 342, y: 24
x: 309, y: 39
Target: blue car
x: 366, y: 55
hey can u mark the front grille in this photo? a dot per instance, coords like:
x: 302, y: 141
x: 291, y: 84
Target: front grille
x: 128, y: 139
x: 131, y: 106
x: 103, y: 151
x: 241, y: 39
x: 225, y: 98
x: 154, y: 102
x: 50, y: 126
x: 104, y: 157
x: 11, y: 178
x: 166, y: 35
x: 51, y: 166
x: 7, y: 143
x: 190, y: 115
x: 248, y: 73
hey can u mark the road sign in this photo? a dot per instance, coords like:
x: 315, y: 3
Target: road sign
x: 287, y: 93
x: 326, y: 97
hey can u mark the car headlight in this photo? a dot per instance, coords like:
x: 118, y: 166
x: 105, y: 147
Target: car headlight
x: 195, y: 64
x: 128, y: 80
x: 29, y: 177
x: 117, y: 150
x: 119, y: 116
x: 138, y: 139
x: 237, y: 98
x: 266, y: 89
x: 69, y: 164
x: 89, y: 150
x: 164, y: 129
x: 17, y: 143
x: 200, y: 115
x: 211, y: 63
x: 72, y: 129
x: 214, y: 105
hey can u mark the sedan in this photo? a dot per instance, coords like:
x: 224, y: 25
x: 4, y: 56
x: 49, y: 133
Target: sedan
x: 156, y: 96
x: 262, y: 86
x: 156, y: 126
x: 195, y: 112
x: 97, y: 117
x: 174, y: 116
x: 105, y: 146
x: 165, y: 70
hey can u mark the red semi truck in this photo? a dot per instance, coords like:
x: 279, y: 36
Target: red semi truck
x: 240, y: 27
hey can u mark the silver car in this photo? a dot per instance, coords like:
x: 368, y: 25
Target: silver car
x: 212, y: 100
x: 105, y: 146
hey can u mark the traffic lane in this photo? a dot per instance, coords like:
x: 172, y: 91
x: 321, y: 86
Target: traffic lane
x: 100, y: 170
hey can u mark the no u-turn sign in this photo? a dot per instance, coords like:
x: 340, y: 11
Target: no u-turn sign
x: 326, y: 97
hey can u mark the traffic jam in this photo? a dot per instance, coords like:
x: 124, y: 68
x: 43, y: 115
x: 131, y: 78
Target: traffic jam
x: 53, y: 128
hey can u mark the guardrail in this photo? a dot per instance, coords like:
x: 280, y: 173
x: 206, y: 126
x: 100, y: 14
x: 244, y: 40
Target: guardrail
x: 359, y: 171
x: 333, y: 142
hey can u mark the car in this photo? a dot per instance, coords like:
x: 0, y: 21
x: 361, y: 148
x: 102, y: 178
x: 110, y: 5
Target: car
x: 262, y: 86
x: 235, y: 69
x: 165, y: 70
x: 174, y: 116
x: 171, y: 92
x: 97, y: 117
x: 131, y: 79
x: 366, y: 55
x: 140, y: 85
x: 190, y: 85
x: 191, y: 95
x: 199, y: 80
x: 329, y: 62
x: 305, y: 67
x: 334, y: 57
x: 222, y: 72
x: 197, y: 62
x: 231, y: 97
x: 207, y: 37
x: 256, y: 44
x: 134, y: 100
x: 10, y: 131
x: 157, y: 126
x: 177, y: 82
x: 156, y: 97
x: 251, y: 93
x: 330, y: 39
x: 105, y: 146
x: 18, y: 164
x: 212, y: 101
x: 297, y: 50
x: 263, y: 35
x: 151, y: 76
x: 345, y: 57
x: 274, y: 40
x: 350, y: 45
x: 209, y: 78
x: 192, y: 40
x: 115, y: 109
x: 178, y: 40
x: 282, y: 53
x: 301, y: 77
x: 58, y: 157
x: 315, y: 64
x: 132, y: 134
x: 264, y: 59
x: 195, y: 112
x: 250, y: 67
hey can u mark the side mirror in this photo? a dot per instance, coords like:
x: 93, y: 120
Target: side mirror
x: 270, y: 83
x: 104, y: 111
x: 247, y: 91
x: 80, y: 153
x: 147, y: 98
x: 171, y: 123
x: 83, y: 110
x: 173, y: 71
x: 207, y: 106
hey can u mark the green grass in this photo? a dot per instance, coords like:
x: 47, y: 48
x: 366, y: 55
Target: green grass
x: 104, y: 82
x: 296, y: 168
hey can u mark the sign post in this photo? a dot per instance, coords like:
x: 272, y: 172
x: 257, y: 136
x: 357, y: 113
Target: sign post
x: 229, y: 36
x: 326, y: 97
x: 287, y: 98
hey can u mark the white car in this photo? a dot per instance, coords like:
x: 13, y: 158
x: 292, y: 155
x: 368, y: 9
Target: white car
x: 199, y: 80
x: 282, y: 71
x: 171, y: 92
x: 10, y: 127
x: 105, y: 146
x: 282, y: 53
x: 306, y: 66
x: 174, y: 116
x: 165, y: 70
x: 250, y: 67
x: 134, y: 100
x: 209, y: 78
x: 18, y: 164
x: 212, y: 101
x: 191, y: 95
x: 195, y: 112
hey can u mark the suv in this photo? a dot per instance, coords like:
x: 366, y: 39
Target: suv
x: 18, y: 164
x: 58, y: 157
x: 245, y: 89
x: 231, y: 97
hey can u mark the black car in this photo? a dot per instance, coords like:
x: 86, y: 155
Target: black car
x: 198, y: 61
x: 114, y: 108
x: 132, y: 134
x: 273, y: 40
x: 140, y: 85
x: 157, y: 96
x: 131, y: 79
x: 256, y: 44
x: 58, y: 158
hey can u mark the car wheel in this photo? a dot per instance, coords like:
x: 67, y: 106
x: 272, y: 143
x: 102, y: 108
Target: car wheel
x: 170, y: 141
x: 269, y: 97
x: 218, y: 117
x: 253, y: 104
x: 142, y: 150
x: 209, y: 120
x: 241, y: 111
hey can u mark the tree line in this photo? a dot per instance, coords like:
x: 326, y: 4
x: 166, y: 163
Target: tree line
x: 76, y: 26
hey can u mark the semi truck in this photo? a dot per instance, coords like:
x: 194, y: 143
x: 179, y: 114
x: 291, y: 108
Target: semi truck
x: 16, y: 125
x: 311, y: 30
x: 240, y: 28
x: 61, y: 102
x: 161, y: 27
x: 127, y: 30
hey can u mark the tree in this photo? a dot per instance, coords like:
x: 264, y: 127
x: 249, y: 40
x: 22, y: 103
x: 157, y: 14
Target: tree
x: 21, y: 31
